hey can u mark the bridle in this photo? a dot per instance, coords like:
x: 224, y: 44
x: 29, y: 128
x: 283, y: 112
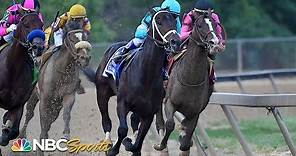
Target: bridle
x: 203, y: 42
x: 29, y: 46
x: 71, y: 47
x: 163, y: 42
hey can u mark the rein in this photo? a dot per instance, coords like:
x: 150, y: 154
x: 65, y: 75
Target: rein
x: 25, y: 44
x: 202, y: 43
x: 71, y: 47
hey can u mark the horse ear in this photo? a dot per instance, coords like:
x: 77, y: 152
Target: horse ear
x: 195, y: 15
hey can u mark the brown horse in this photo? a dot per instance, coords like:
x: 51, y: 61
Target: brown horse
x: 16, y: 74
x: 189, y: 90
x: 140, y: 88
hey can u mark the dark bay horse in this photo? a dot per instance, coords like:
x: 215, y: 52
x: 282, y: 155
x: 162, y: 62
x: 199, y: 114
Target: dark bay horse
x: 189, y: 90
x: 59, y: 80
x: 16, y: 74
x: 140, y: 88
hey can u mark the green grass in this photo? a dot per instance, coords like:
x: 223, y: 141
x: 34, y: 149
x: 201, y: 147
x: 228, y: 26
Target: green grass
x: 263, y: 134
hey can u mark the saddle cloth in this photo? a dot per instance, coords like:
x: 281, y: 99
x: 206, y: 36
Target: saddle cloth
x: 114, y: 70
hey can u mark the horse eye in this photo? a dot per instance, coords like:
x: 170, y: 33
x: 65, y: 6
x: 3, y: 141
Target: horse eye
x: 26, y: 25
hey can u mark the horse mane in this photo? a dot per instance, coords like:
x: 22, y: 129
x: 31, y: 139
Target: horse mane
x: 20, y: 31
x: 71, y: 25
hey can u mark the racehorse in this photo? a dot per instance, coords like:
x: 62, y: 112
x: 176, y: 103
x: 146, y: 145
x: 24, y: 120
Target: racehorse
x: 59, y: 76
x: 140, y: 87
x: 17, y: 73
x: 189, y: 90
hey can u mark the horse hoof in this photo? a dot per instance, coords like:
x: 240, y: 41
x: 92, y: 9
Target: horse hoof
x: 136, y: 154
x: 112, y: 153
x: 184, y: 153
x: 127, y: 142
x: 159, y: 147
x: 66, y: 136
x: 80, y: 90
x: 4, y: 140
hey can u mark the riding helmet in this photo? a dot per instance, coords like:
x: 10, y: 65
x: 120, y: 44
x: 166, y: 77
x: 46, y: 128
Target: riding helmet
x: 173, y: 6
x: 203, y: 5
x: 77, y: 11
x: 30, y: 5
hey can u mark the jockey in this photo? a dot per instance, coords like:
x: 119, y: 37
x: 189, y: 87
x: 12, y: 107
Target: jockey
x: 142, y: 29
x: 187, y: 26
x: 13, y: 15
x: 187, y: 23
x: 76, y: 13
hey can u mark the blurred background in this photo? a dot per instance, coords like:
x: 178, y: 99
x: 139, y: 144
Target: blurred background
x: 261, y: 36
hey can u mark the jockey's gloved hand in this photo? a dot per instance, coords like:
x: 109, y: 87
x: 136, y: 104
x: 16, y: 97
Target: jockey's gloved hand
x: 11, y: 28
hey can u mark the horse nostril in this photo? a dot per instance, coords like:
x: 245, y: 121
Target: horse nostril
x: 173, y: 42
x: 212, y: 42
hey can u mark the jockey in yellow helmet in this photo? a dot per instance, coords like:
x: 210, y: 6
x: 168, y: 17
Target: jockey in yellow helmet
x: 77, y: 13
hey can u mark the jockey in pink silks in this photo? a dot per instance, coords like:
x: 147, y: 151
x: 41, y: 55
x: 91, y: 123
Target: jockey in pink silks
x: 187, y: 23
x: 12, y: 17
x: 187, y: 26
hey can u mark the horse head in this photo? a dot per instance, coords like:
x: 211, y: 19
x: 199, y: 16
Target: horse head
x: 204, y: 33
x: 75, y: 40
x: 164, y: 32
x: 29, y: 33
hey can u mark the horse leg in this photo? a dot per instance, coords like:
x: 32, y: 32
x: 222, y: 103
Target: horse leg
x: 80, y: 88
x: 137, y: 146
x: 161, y: 128
x: 169, y: 126
x: 11, y: 120
x: 160, y: 122
x: 122, y: 129
x: 186, y: 135
x: 103, y: 96
x: 68, y: 103
x: 135, y: 121
x: 31, y: 104
x: 159, y: 117
x: 49, y: 112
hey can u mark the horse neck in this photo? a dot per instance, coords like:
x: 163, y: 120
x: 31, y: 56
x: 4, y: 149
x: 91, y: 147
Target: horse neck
x: 65, y: 61
x: 17, y: 57
x: 151, y: 60
x: 194, y: 65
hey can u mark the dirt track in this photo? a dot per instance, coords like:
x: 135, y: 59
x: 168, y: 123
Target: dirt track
x: 85, y: 122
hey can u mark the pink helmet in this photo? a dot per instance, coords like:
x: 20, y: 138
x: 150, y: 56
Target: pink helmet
x: 32, y: 5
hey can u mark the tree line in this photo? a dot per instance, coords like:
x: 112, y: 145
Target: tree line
x: 114, y: 20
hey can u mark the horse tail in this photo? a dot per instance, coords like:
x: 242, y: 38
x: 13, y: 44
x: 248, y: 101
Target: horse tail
x: 90, y: 74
